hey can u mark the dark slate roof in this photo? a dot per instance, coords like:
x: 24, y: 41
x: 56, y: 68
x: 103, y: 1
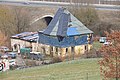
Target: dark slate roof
x: 32, y: 37
x: 21, y: 35
x: 27, y: 36
x: 65, y: 24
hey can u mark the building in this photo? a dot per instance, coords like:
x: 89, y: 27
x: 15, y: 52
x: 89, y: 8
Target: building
x: 25, y: 40
x: 65, y: 35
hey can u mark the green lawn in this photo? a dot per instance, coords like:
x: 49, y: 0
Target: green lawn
x: 83, y: 69
x: 97, y: 45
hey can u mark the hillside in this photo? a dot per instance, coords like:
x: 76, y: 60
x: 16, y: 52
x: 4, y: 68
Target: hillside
x: 83, y: 69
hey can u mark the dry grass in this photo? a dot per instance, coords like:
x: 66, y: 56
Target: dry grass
x: 109, y: 16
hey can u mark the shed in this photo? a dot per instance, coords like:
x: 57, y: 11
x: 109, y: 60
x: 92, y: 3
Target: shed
x: 23, y: 40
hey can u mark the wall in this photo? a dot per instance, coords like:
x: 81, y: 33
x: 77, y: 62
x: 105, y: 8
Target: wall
x: 63, y: 52
x: 19, y: 42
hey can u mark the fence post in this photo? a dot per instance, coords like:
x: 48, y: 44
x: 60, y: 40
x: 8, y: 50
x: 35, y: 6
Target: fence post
x: 87, y: 76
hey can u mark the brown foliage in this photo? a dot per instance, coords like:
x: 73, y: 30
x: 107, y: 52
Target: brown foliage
x: 110, y: 64
x: 21, y: 19
x: 2, y: 39
x: 56, y: 59
x: 12, y: 20
x: 5, y: 20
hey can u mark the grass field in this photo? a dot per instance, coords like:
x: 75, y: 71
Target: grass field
x: 97, y: 45
x: 83, y: 69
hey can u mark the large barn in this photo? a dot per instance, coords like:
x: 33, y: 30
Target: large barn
x: 65, y: 35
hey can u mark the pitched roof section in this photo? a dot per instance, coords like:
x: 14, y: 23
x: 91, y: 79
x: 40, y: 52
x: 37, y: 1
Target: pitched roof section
x: 65, y: 24
x: 27, y: 36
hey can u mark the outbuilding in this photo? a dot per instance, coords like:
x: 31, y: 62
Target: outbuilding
x: 25, y: 40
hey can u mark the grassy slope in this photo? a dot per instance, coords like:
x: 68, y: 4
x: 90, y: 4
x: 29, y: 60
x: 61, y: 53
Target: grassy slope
x: 97, y: 45
x: 71, y: 70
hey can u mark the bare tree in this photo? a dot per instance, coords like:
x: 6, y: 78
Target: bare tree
x: 38, y: 25
x: 2, y: 38
x: 13, y: 20
x: 5, y: 20
x: 21, y: 19
x: 6, y: 26
x: 88, y: 15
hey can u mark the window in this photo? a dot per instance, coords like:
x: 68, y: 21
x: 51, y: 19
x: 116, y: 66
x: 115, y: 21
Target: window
x: 85, y: 47
x: 72, y: 49
x: 56, y: 50
x: 66, y: 50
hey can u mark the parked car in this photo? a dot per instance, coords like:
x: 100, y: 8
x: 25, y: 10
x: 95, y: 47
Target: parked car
x: 36, y: 56
x: 102, y: 39
x: 12, y: 55
x: 4, y: 48
x: 107, y: 43
x: 12, y: 62
x: 4, y: 56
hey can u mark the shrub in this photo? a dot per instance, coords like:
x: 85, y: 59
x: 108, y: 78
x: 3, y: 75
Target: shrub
x: 93, y: 53
x: 30, y: 63
x: 56, y: 59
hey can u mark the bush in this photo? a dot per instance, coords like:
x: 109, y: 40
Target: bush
x: 96, y: 38
x: 30, y: 63
x: 13, y: 67
x: 93, y: 53
x: 56, y: 59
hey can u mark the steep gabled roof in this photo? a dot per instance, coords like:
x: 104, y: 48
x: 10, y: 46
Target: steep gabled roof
x: 65, y: 24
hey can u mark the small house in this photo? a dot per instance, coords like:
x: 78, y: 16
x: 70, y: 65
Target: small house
x: 24, y: 40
